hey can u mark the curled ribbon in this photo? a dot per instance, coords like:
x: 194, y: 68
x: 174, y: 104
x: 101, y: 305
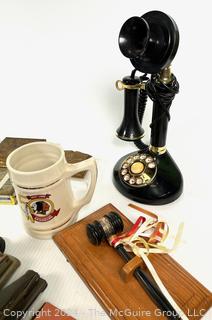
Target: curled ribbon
x: 147, y: 236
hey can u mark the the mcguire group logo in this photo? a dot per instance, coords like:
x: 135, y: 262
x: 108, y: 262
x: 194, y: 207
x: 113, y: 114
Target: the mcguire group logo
x: 38, y: 208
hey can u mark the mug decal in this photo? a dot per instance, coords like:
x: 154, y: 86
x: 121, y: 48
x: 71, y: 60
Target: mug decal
x: 38, y: 208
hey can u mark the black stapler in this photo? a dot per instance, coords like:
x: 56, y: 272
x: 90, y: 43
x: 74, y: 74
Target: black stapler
x: 8, y: 264
x: 2, y: 245
x: 16, y: 298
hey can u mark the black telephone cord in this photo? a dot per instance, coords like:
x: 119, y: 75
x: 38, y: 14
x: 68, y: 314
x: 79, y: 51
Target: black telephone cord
x: 163, y: 94
x: 157, y: 91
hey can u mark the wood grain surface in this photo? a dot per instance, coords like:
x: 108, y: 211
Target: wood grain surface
x: 99, y: 267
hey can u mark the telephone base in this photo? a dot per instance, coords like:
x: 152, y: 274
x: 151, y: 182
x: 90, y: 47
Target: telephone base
x: 164, y: 186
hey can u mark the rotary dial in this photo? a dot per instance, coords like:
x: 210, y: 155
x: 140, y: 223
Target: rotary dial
x: 138, y: 169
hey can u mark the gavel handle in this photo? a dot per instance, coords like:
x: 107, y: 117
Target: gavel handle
x: 151, y: 289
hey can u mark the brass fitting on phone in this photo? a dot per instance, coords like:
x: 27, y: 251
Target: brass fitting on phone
x: 165, y: 75
x: 120, y: 85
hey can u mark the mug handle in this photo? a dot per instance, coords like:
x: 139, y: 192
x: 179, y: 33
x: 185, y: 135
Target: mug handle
x: 85, y: 165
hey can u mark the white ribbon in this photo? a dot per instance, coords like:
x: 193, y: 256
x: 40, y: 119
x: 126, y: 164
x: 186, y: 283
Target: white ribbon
x: 142, y: 248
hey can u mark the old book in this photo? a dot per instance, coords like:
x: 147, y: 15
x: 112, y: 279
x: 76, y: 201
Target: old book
x: 74, y: 157
x: 99, y: 267
x: 9, y: 144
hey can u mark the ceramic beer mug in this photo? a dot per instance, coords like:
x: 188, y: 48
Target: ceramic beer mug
x: 40, y: 175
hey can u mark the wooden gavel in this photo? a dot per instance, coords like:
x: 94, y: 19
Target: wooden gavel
x: 104, y: 230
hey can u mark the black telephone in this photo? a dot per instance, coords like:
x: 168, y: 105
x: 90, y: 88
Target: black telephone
x: 149, y: 175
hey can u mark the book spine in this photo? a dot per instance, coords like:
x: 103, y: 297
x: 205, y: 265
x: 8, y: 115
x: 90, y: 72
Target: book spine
x: 11, y: 201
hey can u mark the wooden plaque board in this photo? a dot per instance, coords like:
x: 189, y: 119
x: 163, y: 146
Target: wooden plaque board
x: 99, y: 267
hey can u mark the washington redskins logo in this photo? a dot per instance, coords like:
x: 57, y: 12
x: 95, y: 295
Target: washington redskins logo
x: 38, y: 208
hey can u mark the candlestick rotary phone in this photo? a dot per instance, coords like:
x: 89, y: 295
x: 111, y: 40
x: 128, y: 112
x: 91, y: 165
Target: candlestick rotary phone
x: 149, y: 175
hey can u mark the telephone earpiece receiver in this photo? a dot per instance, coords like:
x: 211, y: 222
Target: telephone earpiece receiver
x: 148, y: 175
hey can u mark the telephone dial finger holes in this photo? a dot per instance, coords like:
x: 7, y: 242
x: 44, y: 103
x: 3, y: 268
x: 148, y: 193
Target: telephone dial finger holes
x: 132, y: 181
x: 139, y: 181
x: 138, y: 170
x: 149, y: 159
x: 126, y: 177
x: 136, y: 157
x: 143, y: 156
x: 152, y: 165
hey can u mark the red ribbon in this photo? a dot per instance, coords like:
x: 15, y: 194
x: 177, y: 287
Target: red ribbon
x: 42, y: 196
x: 47, y: 218
x: 134, y: 228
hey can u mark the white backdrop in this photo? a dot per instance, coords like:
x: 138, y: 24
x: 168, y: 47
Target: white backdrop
x: 59, y: 61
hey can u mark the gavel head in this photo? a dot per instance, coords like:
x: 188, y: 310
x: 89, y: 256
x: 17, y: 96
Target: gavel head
x: 102, y: 229
x: 150, y: 41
